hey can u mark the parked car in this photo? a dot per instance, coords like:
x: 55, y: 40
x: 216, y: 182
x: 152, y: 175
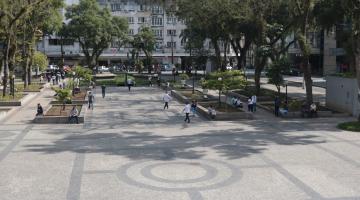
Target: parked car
x: 293, y: 72
x: 102, y: 69
x: 166, y: 67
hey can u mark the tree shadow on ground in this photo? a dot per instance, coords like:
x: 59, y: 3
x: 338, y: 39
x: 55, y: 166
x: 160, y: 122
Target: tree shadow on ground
x: 137, y: 145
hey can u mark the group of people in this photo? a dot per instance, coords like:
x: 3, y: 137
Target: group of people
x: 73, y: 115
x: 236, y: 102
x: 189, y: 108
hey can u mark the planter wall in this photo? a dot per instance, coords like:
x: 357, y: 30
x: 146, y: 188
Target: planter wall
x: 58, y: 119
x: 342, y: 95
x: 222, y: 116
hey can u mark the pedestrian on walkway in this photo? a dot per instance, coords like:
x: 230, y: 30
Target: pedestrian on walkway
x: 103, y: 88
x: 166, y: 98
x: 277, y: 103
x: 254, y: 100
x: 91, y: 100
x: 40, y: 110
x: 212, y: 112
x: 150, y: 81
x: 187, y: 110
x: 129, y: 84
x: 250, y: 105
x: 193, y: 107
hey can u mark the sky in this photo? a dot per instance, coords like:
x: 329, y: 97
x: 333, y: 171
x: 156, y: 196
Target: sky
x: 69, y: 2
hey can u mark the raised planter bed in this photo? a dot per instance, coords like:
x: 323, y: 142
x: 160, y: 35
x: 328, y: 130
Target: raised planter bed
x: 322, y: 113
x: 185, y: 95
x: 55, y: 115
x: 232, y: 114
x: 15, y: 102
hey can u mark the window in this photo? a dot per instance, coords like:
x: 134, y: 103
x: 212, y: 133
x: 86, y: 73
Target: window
x: 141, y: 20
x: 158, y: 33
x: 171, y: 44
x: 171, y: 20
x: 131, y: 32
x: 158, y: 45
x: 116, y: 7
x: 131, y: 20
x: 157, y: 10
x: 142, y: 7
x: 171, y: 32
x: 156, y: 21
x: 57, y: 42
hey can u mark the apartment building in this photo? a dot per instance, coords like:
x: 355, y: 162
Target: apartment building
x: 169, y: 46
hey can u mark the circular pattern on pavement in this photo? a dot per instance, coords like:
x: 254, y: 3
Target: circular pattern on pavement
x: 179, y: 176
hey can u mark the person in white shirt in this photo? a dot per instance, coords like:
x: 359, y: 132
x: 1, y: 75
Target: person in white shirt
x: 129, y: 83
x: 167, y: 98
x: 187, y: 110
x: 250, y: 105
x: 212, y: 112
x: 254, y: 100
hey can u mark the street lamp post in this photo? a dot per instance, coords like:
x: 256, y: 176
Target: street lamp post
x: 286, y: 91
x: 220, y: 87
x: 13, y: 85
x: 73, y: 85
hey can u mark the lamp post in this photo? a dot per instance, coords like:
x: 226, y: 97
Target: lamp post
x: 220, y: 87
x: 286, y: 90
x: 13, y: 86
x: 73, y: 85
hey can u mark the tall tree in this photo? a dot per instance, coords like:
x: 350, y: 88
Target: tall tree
x: 11, y: 13
x: 302, y: 14
x: 94, y: 28
x: 145, y: 41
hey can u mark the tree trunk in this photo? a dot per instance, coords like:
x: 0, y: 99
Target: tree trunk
x: 237, y: 52
x: 217, y: 54
x: 308, y: 80
x: 6, y: 65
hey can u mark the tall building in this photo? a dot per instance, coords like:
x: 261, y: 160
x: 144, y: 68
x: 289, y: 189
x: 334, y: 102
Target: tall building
x: 167, y: 29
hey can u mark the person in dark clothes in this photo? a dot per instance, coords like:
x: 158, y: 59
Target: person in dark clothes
x: 40, y: 110
x: 103, y: 88
x: 277, y: 104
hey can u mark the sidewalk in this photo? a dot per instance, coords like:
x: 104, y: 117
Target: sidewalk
x: 25, y: 113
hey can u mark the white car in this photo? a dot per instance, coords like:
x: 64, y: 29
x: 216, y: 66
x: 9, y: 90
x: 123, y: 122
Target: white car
x: 102, y: 69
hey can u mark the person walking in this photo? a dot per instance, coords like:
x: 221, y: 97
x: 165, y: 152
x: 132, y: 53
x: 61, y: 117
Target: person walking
x: 254, y: 100
x: 277, y: 104
x: 129, y: 84
x: 91, y: 99
x: 250, y: 105
x: 187, y: 110
x: 166, y: 98
x: 150, y: 81
x: 103, y: 88
x: 193, y: 107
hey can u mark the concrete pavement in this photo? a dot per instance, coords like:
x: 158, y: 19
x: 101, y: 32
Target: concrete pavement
x: 130, y: 148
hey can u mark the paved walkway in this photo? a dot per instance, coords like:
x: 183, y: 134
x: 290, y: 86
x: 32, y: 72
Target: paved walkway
x: 130, y: 148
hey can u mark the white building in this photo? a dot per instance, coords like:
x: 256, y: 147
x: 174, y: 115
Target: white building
x: 167, y: 29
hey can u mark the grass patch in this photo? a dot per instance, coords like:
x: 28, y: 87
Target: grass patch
x: 17, y: 97
x: 250, y: 90
x: 57, y: 110
x: 120, y: 81
x: 188, y: 93
x: 220, y: 108
x: 31, y: 88
x: 350, y: 126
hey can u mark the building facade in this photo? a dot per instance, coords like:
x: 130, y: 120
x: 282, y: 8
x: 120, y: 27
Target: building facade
x: 169, y: 44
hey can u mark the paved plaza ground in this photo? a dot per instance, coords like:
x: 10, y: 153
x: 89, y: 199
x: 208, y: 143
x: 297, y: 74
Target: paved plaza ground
x: 131, y: 149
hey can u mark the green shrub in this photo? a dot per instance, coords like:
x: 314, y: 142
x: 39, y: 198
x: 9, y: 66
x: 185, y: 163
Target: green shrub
x: 350, y: 126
